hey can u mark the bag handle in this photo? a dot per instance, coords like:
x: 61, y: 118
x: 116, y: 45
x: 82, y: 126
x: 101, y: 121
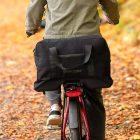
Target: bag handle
x: 55, y: 59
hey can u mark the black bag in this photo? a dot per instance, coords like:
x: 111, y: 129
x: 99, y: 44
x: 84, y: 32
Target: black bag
x: 80, y: 58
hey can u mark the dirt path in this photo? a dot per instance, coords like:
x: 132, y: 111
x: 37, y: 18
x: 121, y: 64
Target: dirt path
x: 23, y: 112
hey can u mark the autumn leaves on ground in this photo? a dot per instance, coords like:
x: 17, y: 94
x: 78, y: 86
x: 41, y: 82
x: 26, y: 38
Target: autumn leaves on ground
x: 23, y: 112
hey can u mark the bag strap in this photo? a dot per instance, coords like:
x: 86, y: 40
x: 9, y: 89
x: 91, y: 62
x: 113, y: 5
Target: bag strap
x: 88, y: 50
x: 54, y: 57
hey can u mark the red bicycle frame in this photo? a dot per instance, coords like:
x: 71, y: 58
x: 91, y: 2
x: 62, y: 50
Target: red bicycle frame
x: 76, y: 94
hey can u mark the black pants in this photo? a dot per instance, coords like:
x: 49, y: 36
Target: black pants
x: 96, y: 113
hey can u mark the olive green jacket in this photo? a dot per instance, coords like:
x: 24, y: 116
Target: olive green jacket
x: 70, y: 18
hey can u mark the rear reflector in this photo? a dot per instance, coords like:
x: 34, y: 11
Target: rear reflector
x: 74, y: 93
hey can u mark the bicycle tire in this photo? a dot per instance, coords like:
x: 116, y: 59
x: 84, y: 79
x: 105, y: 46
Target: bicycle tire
x: 75, y: 135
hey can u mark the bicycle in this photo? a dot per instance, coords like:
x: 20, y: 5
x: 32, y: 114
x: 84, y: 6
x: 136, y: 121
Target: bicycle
x: 74, y: 114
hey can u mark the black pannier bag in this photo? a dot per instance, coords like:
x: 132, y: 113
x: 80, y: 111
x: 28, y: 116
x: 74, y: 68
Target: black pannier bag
x: 85, y: 59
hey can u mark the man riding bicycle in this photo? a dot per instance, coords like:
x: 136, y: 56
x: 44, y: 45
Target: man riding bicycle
x: 67, y: 19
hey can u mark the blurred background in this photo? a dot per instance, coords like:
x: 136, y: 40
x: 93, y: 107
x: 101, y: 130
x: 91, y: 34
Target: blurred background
x: 23, y: 111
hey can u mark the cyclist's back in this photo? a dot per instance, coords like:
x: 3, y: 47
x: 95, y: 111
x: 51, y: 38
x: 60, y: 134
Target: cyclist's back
x: 70, y: 18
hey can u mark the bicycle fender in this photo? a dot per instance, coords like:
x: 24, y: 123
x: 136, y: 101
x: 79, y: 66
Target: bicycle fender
x: 73, y: 114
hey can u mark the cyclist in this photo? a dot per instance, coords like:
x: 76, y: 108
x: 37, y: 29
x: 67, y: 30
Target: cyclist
x: 66, y: 19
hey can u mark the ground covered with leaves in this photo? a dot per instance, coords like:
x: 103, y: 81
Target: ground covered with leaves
x: 23, y: 112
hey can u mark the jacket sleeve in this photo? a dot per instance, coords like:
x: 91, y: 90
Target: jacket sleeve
x: 111, y: 10
x: 34, y: 14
